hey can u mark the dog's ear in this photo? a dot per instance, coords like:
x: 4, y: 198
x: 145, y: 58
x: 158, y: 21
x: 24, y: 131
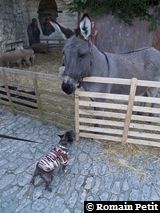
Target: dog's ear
x: 85, y: 26
x: 61, y: 136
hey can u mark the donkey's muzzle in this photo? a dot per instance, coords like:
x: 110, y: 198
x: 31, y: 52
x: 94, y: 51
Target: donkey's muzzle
x: 68, y: 88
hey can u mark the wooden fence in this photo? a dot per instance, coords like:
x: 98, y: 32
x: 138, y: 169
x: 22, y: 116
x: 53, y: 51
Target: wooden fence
x: 13, y: 45
x: 118, y: 117
x: 54, y: 43
x: 36, y: 94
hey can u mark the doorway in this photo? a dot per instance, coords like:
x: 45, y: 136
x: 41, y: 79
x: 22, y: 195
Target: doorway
x: 47, y: 9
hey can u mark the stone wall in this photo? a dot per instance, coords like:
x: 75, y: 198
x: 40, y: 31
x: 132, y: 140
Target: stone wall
x: 7, y: 29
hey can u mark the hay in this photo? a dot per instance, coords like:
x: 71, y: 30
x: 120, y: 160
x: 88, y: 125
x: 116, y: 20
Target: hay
x: 48, y: 63
x: 126, y: 156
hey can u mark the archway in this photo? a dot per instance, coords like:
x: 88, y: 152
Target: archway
x: 46, y: 9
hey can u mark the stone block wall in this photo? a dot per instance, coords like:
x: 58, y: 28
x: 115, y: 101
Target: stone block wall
x: 7, y: 22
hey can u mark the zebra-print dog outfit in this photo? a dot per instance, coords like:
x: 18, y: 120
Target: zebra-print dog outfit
x: 56, y: 157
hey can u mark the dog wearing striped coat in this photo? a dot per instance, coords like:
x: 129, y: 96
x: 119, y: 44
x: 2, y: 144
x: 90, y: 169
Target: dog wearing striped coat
x: 58, y: 156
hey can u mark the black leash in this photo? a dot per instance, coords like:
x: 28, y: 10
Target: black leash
x: 19, y: 139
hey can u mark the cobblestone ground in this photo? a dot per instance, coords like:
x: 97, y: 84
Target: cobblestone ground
x: 97, y: 170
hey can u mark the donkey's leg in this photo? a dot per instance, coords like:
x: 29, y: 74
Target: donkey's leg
x: 143, y: 103
x: 98, y: 109
x: 98, y: 117
x: 153, y: 93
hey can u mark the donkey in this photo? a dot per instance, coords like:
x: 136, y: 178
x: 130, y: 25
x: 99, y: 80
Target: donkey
x: 83, y: 59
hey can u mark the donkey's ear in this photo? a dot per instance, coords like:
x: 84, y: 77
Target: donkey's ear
x: 85, y: 26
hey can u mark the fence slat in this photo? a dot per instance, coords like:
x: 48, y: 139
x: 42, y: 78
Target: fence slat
x: 29, y: 103
x: 101, y: 130
x: 144, y: 127
x: 22, y: 108
x: 8, y: 93
x: 121, y: 81
x: 26, y: 95
x: 101, y: 122
x: 103, y: 95
x: 142, y: 118
x: 35, y: 83
x: 77, y: 114
x: 107, y: 80
x: 102, y: 114
x: 100, y: 137
x: 103, y: 105
x: 143, y: 135
x: 146, y: 109
x: 4, y: 102
x: 3, y: 96
x: 147, y: 99
x: 2, y: 89
x: 143, y: 142
x: 129, y: 109
x: 29, y: 73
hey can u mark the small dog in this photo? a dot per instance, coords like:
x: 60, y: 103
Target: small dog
x: 59, y: 155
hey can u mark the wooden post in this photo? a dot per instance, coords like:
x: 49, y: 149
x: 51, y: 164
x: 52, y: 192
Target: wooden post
x: 38, y: 97
x: 8, y: 93
x: 129, y: 109
x: 77, y: 114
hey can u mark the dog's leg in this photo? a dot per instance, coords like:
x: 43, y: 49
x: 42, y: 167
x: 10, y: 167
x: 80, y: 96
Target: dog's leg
x: 64, y: 167
x: 47, y: 179
x: 36, y: 173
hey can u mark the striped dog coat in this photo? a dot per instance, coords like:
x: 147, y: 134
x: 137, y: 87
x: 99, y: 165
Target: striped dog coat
x: 56, y: 157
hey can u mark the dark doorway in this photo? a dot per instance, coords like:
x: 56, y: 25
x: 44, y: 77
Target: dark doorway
x: 47, y: 9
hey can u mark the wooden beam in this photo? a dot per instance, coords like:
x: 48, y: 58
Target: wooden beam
x: 38, y: 98
x: 129, y: 109
x: 77, y: 114
x: 8, y: 93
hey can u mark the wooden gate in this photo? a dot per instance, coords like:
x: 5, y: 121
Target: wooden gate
x: 36, y: 94
x: 118, y: 117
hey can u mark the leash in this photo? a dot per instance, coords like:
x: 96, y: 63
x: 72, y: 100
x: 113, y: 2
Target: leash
x: 19, y: 139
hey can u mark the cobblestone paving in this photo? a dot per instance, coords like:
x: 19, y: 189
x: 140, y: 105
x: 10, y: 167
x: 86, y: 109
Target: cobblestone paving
x: 97, y: 170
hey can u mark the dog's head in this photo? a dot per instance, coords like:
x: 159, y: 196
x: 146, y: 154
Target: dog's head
x: 67, y: 138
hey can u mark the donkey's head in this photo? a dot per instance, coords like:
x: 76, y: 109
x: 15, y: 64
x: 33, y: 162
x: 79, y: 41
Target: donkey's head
x: 77, y: 56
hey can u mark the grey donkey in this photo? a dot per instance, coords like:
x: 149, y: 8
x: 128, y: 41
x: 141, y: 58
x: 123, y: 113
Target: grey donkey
x: 83, y: 59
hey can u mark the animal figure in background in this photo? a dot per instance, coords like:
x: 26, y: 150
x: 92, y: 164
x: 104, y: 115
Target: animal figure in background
x: 8, y: 59
x: 28, y: 57
x: 83, y: 59
x: 20, y: 57
x: 58, y: 156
